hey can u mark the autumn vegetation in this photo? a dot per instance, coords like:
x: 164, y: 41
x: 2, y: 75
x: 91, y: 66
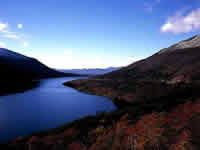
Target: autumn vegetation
x: 176, y: 128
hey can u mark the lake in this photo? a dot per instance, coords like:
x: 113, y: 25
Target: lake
x: 49, y: 105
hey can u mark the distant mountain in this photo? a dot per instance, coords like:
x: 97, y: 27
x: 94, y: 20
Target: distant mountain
x: 18, y: 71
x: 95, y: 71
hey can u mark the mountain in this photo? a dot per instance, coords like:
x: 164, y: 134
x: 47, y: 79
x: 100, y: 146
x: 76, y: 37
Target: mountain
x: 19, y: 71
x: 161, y: 72
x: 95, y: 71
x: 159, y: 107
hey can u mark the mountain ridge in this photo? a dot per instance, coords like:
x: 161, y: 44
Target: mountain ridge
x: 92, y: 71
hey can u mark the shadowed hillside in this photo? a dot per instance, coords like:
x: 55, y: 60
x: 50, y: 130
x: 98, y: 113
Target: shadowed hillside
x: 19, y: 71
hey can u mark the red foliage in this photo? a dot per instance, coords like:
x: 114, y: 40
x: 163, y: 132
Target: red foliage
x: 70, y: 132
x: 74, y: 146
x: 183, y: 141
x: 177, y: 129
x: 48, y: 140
x: 33, y: 139
x: 180, y: 116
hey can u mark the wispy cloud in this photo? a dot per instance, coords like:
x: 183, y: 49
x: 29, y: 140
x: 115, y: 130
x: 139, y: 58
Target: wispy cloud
x: 3, y: 26
x: 11, y: 35
x: 150, y: 6
x: 67, y: 52
x: 2, y: 45
x: 20, y: 26
x: 157, y: 1
x: 182, y: 23
x: 25, y: 44
x: 7, y: 32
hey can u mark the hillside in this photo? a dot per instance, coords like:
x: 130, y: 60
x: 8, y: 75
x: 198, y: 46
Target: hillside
x: 159, y: 103
x: 139, y: 81
x: 19, y: 71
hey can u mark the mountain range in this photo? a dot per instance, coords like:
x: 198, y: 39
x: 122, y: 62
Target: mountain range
x: 95, y: 71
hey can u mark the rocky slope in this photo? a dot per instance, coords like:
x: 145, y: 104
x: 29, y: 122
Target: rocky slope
x: 161, y: 108
x: 18, y: 71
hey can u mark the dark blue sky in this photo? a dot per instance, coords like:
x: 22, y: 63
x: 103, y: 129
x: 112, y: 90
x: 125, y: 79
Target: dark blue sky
x: 95, y: 33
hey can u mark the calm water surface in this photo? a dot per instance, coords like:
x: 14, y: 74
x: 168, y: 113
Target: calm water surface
x: 48, y: 106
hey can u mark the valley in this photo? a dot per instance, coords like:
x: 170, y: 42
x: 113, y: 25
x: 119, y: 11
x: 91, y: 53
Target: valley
x: 158, y: 107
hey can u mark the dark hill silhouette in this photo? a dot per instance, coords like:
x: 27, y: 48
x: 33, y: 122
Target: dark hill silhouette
x: 18, y: 71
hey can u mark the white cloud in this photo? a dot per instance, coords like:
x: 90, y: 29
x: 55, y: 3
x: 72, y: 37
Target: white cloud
x: 3, y: 26
x: 7, y: 33
x: 181, y: 23
x: 11, y: 36
x: 2, y: 45
x: 68, y: 52
x: 25, y: 44
x: 20, y: 26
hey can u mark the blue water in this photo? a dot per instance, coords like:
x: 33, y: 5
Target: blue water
x: 48, y: 106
